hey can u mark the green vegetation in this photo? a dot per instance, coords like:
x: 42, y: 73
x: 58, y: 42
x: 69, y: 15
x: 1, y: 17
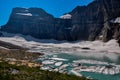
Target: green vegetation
x: 13, y: 72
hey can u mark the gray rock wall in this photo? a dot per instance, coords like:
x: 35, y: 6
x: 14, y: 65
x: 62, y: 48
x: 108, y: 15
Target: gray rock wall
x: 87, y: 22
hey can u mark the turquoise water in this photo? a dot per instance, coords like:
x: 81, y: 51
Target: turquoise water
x: 101, y: 76
x: 96, y: 76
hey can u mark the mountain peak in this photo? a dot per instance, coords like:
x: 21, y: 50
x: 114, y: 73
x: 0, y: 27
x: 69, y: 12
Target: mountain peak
x: 82, y: 23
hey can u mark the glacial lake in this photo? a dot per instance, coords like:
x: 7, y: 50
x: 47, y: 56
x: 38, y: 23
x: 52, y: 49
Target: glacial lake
x: 65, y: 53
x: 69, y: 59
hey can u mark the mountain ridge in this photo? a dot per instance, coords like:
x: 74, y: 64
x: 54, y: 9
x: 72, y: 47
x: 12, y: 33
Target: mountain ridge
x: 97, y: 20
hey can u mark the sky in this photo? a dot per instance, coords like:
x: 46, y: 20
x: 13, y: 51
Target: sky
x: 54, y: 7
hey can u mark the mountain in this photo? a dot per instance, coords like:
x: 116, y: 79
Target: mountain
x: 37, y: 23
x: 98, y: 20
x: 95, y: 19
x: 32, y: 21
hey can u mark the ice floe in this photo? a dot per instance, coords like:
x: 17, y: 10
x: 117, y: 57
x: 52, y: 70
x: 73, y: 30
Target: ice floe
x: 109, y: 69
x: 58, y: 59
x: 91, y: 62
x: 78, y: 66
x: 58, y: 63
x: 76, y: 73
x: 48, y: 62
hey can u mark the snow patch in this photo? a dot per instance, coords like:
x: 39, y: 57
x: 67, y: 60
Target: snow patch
x: 25, y: 14
x: 66, y: 16
x: 116, y: 20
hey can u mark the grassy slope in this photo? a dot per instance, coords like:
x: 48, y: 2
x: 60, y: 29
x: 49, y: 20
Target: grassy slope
x: 27, y: 73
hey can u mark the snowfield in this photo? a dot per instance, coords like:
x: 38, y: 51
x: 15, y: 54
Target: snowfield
x: 25, y: 14
x: 66, y: 16
x: 110, y: 49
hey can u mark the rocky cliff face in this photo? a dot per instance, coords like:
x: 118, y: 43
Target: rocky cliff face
x: 99, y: 20
x: 1, y: 34
x: 32, y: 21
x: 37, y: 23
x: 90, y: 21
x: 111, y: 28
x: 63, y: 28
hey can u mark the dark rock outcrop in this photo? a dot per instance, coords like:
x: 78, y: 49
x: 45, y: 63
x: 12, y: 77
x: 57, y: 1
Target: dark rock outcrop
x: 111, y: 28
x: 63, y: 28
x: 99, y: 18
x: 111, y: 31
x: 1, y: 34
x: 89, y: 21
x: 37, y: 23
x: 32, y: 21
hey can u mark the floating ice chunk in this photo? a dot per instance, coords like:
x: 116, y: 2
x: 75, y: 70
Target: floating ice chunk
x: 59, y: 59
x: 48, y: 62
x: 76, y: 73
x: 111, y: 70
x: 54, y: 56
x: 45, y: 68
x: 58, y: 63
x: 56, y: 70
x: 63, y: 66
x: 90, y: 62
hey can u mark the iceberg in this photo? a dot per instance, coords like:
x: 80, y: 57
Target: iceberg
x: 75, y: 72
x: 46, y: 62
x: 109, y: 69
x: 58, y: 59
x: 58, y: 63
